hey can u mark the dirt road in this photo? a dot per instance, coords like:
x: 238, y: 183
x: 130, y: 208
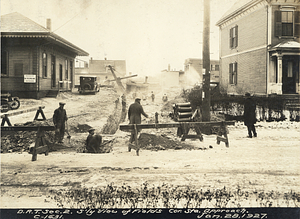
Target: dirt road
x: 266, y: 163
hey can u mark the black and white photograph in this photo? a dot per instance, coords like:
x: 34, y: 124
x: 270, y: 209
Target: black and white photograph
x: 150, y: 109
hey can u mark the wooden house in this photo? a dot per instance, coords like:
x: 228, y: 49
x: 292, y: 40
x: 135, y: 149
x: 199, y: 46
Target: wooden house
x: 35, y: 61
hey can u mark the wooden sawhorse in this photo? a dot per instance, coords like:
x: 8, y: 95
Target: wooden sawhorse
x: 39, y: 111
x: 41, y: 145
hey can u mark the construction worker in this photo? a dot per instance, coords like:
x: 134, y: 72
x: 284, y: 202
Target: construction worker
x: 165, y: 98
x: 134, y: 115
x: 59, y: 120
x: 93, y: 142
x: 249, y: 115
x: 152, y: 96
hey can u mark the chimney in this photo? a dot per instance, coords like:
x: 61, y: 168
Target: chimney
x: 48, y: 24
x: 146, y: 80
x: 169, y: 67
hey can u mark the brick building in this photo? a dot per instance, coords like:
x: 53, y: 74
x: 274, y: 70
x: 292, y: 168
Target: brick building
x: 260, y: 47
x: 100, y: 69
x: 34, y: 60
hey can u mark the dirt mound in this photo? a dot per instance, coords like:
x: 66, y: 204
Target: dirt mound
x: 20, y: 141
x: 81, y: 128
x: 154, y: 142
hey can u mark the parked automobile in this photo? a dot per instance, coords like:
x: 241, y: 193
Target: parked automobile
x: 9, y: 103
x: 88, y: 84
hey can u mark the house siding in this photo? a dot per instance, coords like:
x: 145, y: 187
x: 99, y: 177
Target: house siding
x: 250, y: 54
x: 31, y: 58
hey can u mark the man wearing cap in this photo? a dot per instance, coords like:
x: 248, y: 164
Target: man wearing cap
x: 249, y: 115
x: 134, y: 115
x: 93, y: 142
x: 59, y: 119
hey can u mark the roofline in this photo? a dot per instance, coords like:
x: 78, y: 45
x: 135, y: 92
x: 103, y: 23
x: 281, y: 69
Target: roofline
x: 49, y: 36
x: 237, y: 11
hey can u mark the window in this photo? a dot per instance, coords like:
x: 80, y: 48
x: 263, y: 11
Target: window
x: 217, y: 68
x: 233, y: 37
x: 45, y: 74
x: 4, y: 63
x: 290, y: 69
x: 71, y: 70
x: 233, y: 73
x: 66, y: 66
x: 287, y: 23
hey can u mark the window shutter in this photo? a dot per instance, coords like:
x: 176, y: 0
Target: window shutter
x: 235, y: 73
x: 236, y: 36
x: 230, y: 38
x: 278, y: 24
x: 230, y: 73
x: 297, y: 24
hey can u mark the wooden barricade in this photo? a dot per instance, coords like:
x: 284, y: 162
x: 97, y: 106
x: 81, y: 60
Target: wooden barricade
x: 39, y: 111
x: 40, y: 142
x: 183, y: 130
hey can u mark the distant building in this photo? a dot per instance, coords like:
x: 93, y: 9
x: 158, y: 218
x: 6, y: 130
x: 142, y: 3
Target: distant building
x: 172, y: 78
x: 260, y: 47
x: 34, y: 60
x: 193, y: 71
x: 100, y: 69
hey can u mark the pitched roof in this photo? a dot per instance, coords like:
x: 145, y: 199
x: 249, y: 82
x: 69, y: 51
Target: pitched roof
x: 15, y: 22
x: 17, y: 25
x: 238, y: 5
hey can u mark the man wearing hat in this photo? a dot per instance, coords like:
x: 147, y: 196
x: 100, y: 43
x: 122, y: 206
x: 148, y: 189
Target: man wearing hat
x: 134, y: 115
x: 249, y: 115
x: 59, y: 120
x: 93, y: 142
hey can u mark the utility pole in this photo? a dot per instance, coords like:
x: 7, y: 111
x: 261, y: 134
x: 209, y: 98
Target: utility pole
x: 206, y: 62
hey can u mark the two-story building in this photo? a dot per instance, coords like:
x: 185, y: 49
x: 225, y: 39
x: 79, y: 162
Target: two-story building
x: 34, y: 60
x: 260, y: 47
x: 100, y: 69
x: 193, y: 70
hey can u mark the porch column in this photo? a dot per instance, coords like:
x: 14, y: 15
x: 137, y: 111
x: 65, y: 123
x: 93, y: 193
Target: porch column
x: 279, y: 69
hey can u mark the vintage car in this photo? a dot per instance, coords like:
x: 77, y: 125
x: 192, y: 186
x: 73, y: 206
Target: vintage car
x: 88, y: 84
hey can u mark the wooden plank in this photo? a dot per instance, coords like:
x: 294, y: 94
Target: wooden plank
x: 27, y: 128
x: 42, y: 149
x: 173, y: 125
x: 18, y: 112
x: 220, y: 138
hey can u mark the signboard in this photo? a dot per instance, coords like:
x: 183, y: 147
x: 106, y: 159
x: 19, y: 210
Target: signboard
x: 29, y: 78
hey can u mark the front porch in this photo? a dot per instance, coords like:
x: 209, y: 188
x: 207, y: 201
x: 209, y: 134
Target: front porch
x: 284, y: 69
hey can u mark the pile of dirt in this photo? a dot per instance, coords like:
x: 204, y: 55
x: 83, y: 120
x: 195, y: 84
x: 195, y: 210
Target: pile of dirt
x: 81, y: 128
x: 20, y: 141
x: 155, y: 142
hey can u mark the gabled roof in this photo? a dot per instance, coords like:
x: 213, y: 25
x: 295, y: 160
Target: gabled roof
x: 17, y: 25
x: 239, y: 5
x: 288, y: 44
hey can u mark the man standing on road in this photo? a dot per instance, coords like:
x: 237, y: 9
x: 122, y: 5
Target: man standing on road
x: 152, y: 96
x: 59, y: 120
x: 134, y: 115
x: 249, y: 115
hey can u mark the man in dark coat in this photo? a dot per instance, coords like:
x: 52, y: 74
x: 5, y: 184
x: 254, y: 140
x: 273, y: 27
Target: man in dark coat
x: 249, y: 115
x: 134, y: 115
x: 93, y: 142
x: 59, y: 120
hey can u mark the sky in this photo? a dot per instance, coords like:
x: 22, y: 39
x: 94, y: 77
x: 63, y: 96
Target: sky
x: 148, y: 34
